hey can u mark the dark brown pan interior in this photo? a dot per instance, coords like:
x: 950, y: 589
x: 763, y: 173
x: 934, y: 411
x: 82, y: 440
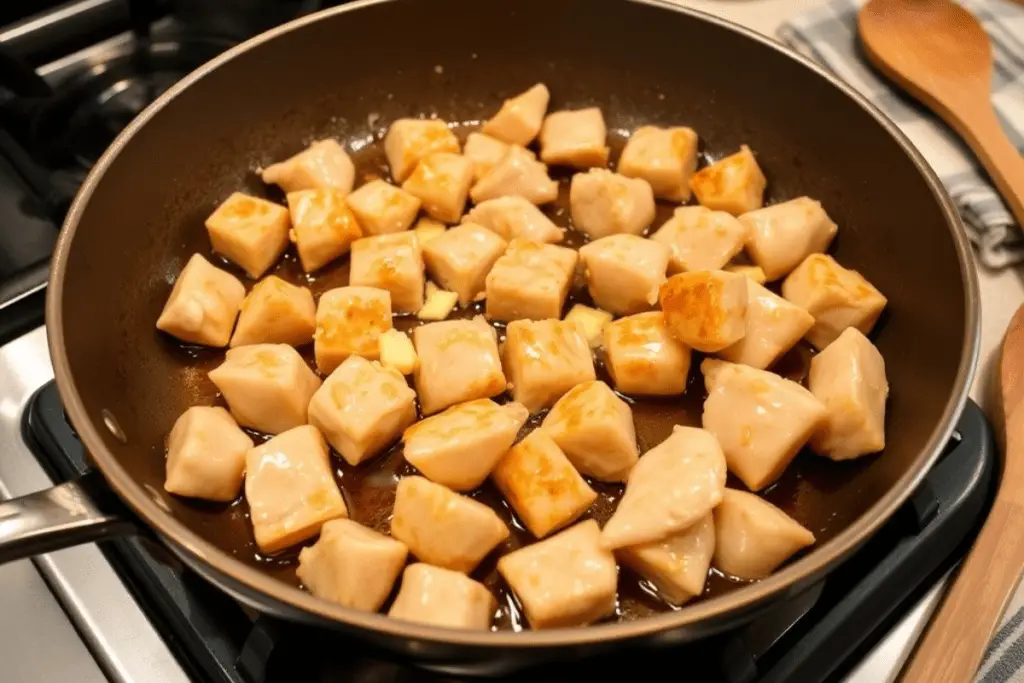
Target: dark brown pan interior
x: 350, y: 75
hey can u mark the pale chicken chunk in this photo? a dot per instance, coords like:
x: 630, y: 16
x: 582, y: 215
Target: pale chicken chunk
x: 671, y: 488
x: 267, y: 386
x: 848, y: 377
x: 574, y: 138
x: 290, y: 489
x: 544, y: 359
x: 349, y: 322
x: 520, y: 117
x: 484, y: 151
x: 594, y: 428
x: 517, y: 174
x: 323, y: 226
x: 706, y: 309
x: 783, y: 235
x: 624, y: 272
x: 441, y: 182
x: 324, y: 164
x: 206, y: 455
x: 755, y: 273
x: 381, y: 208
x: 362, y: 408
x: 567, y: 580
x: 460, y: 259
x: 250, y: 232
x: 761, y: 419
x: 441, y: 597
x: 393, y: 263
x: 698, y: 238
x: 515, y: 217
x: 276, y: 312
x: 605, y: 203
x: 753, y: 537
x: 203, y: 304
x: 643, y: 358
x: 734, y: 184
x: 530, y: 281
x: 409, y: 141
x: 774, y: 326
x: 461, y: 446
x: 459, y: 362
x: 443, y: 528
x: 677, y: 566
x: 837, y: 297
x: 664, y: 157
x: 543, y: 488
x: 351, y: 565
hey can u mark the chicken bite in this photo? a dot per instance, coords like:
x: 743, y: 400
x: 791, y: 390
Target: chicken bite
x: 753, y: 537
x: 624, y: 272
x: 530, y: 281
x: 393, y: 263
x: 517, y: 174
x: 427, y: 229
x: 707, y: 309
x: 349, y: 322
x: 276, y: 312
x: 514, y: 217
x: 381, y: 208
x: 678, y: 565
x: 594, y: 428
x: 773, y: 326
x: 753, y: 272
x: 761, y: 419
x: 362, y: 408
x: 544, y: 359
x: 324, y: 164
x: 643, y: 358
x: 783, y: 235
x: 459, y: 362
x: 670, y: 489
x: 441, y: 597
x: 267, y: 386
x: 203, y: 304
x: 567, y: 580
x: 206, y: 455
x: 323, y: 226
x: 409, y: 141
x: 664, y: 157
x: 484, y: 151
x: 351, y: 565
x: 574, y: 138
x: 520, y: 117
x: 441, y: 182
x: 459, y: 447
x: 290, y: 489
x: 698, y: 238
x: 734, y: 184
x: 605, y: 203
x: 848, y: 377
x: 460, y: 259
x: 250, y: 232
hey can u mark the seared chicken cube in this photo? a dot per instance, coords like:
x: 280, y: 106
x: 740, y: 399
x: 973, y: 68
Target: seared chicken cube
x: 461, y: 446
x: 324, y: 164
x: 381, y: 208
x: 783, y: 235
x: 460, y: 259
x: 349, y: 322
x: 567, y: 580
x: 530, y: 281
x: 753, y: 537
x: 605, y: 203
x: 352, y: 565
x: 520, y: 117
x: 206, y: 455
x: 517, y: 174
x: 441, y: 597
x: 512, y: 217
x: 574, y: 138
x: 643, y: 358
x: 393, y: 263
x: 203, y: 304
x: 323, y: 226
x: 250, y: 232
x: 362, y: 408
x: 441, y: 182
x: 541, y: 485
x: 459, y: 362
x: 544, y: 359
x: 848, y: 377
x: 624, y: 272
x: 734, y: 184
x: 409, y: 141
x: 276, y: 312
x: 443, y: 528
x: 669, y: 490
x: 664, y: 157
x: 484, y: 151
x: 677, y: 566
x: 761, y: 419
x: 291, y: 489
x: 594, y: 428
x: 837, y: 297
x: 706, y: 310
x: 774, y: 326
x: 267, y: 386
x: 698, y: 238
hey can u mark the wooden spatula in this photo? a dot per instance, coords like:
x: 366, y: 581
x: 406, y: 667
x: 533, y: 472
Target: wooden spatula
x: 939, y: 53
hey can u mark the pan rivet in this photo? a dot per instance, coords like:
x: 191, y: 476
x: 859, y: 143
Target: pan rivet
x: 111, y: 423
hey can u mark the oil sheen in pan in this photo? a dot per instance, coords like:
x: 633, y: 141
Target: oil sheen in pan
x: 804, y: 491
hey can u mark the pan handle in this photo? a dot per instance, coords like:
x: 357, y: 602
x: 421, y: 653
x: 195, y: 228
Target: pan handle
x: 80, y: 511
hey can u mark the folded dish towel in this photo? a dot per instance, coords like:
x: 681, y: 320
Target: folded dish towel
x: 828, y: 35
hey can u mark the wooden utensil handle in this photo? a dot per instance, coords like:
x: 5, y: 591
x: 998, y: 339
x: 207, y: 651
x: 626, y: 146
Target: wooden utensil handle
x: 986, y: 138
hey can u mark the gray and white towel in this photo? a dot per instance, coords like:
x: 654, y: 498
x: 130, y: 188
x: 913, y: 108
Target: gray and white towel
x: 828, y: 35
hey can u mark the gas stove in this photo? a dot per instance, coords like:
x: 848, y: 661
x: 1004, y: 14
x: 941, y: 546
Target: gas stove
x: 128, y: 611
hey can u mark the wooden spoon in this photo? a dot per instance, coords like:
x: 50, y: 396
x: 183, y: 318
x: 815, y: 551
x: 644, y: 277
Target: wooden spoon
x: 952, y: 648
x: 939, y: 53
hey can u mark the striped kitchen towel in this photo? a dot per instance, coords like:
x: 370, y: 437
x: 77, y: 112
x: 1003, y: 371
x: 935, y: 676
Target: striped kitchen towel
x: 828, y: 36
